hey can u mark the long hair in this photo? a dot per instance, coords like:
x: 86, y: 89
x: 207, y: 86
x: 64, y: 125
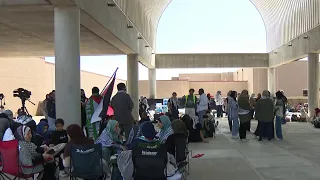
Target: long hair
x: 233, y: 94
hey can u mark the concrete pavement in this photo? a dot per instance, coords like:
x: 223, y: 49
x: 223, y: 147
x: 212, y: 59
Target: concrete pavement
x: 294, y: 158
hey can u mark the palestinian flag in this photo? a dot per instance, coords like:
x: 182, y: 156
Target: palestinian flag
x: 99, y: 107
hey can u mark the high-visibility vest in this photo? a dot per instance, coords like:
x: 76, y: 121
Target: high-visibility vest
x: 194, y: 99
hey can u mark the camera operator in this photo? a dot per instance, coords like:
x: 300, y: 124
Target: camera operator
x: 51, y: 109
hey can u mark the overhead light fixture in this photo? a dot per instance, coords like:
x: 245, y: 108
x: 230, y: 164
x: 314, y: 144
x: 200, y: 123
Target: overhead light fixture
x: 306, y: 37
x: 111, y: 4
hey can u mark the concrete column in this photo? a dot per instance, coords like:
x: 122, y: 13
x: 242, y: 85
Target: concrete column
x: 313, y: 82
x: 152, y: 84
x: 132, y: 82
x: 272, y: 81
x: 67, y: 63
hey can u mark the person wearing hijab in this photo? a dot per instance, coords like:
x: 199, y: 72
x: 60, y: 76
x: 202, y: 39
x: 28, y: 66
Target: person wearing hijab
x: 233, y: 114
x: 29, y: 154
x: 166, y: 133
x: 244, y: 114
x: 110, y: 141
x: 179, y: 127
x: 265, y: 116
x: 136, y: 129
x: 42, y: 130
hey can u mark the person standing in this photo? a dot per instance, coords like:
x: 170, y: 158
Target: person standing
x: 190, y: 103
x: 227, y: 110
x: 279, y: 108
x: 91, y: 106
x: 244, y: 114
x: 122, y: 105
x: 84, y: 100
x: 51, y: 109
x: 219, y: 103
x: 173, y: 106
x: 202, y: 105
x: 265, y: 115
x: 233, y: 114
x: 285, y: 101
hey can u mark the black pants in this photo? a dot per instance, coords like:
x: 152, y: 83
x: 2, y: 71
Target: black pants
x: 243, y: 130
x: 125, y: 129
x: 230, y: 124
x: 265, y: 130
x: 219, y: 111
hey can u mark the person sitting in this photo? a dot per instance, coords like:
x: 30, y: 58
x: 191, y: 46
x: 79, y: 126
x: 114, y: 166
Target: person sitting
x: 42, y: 130
x: 37, y: 139
x: 110, y: 140
x: 76, y: 137
x: 148, y: 137
x: 59, y: 136
x: 179, y: 127
x: 194, y: 128
x: 166, y: 133
x: 32, y: 156
x: 136, y: 129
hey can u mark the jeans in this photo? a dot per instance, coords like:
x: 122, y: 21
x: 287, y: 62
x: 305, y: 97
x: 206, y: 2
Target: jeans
x: 200, y: 115
x: 235, y: 126
x: 278, y: 127
x: 219, y: 111
x: 52, y: 124
x: 265, y: 130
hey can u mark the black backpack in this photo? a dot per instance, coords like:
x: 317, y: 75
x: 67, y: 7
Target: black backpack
x: 208, y: 127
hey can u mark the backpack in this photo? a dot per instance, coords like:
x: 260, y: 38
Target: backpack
x: 208, y: 127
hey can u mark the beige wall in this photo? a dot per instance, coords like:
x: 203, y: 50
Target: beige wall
x: 37, y: 76
x: 206, y: 77
x: 292, y: 78
x: 165, y: 88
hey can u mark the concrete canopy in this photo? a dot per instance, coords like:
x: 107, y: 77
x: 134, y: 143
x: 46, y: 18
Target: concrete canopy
x: 284, y: 19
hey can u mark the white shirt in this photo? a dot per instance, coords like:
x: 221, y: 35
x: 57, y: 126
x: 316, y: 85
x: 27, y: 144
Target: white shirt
x: 219, y: 100
x: 203, y: 103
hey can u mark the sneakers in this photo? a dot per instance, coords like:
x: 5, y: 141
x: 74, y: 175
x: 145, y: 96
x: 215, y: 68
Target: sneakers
x: 63, y: 174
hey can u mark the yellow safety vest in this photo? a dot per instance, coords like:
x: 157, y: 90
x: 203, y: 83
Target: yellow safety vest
x: 194, y: 99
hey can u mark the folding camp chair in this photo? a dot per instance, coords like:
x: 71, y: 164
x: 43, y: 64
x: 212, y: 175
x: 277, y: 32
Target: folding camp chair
x: 10, y: 161
x: 149, y: 161
x: 86, y: 162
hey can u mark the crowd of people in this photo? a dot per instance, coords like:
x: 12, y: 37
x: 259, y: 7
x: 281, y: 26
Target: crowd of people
x: 119, y: 133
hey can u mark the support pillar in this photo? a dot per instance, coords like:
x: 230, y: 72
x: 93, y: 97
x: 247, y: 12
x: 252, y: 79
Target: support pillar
x: 272, y: 81
x: 152, y: 84
x: 313, y: 83
x: 133, y: 82
x: 67, y: 63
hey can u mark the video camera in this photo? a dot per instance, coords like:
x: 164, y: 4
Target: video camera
x: 1, y: 96
x: 21, y: 93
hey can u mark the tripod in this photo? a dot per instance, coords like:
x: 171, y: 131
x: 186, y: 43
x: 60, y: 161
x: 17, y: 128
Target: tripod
x: 24, y: 109
x: 1, y: 105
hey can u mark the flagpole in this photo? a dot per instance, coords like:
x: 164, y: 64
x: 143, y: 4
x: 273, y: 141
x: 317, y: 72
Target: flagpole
x: 109, y: 80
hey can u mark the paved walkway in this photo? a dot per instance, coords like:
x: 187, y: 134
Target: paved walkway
x: 294, y: 158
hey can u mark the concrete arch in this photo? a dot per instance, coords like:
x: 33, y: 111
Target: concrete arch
x: 284, y: 19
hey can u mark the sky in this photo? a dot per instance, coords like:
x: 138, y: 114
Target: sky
x: 189, y: 26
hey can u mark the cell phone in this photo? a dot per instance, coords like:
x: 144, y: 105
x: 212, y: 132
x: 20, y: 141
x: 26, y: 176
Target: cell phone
x: 51, y: 151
